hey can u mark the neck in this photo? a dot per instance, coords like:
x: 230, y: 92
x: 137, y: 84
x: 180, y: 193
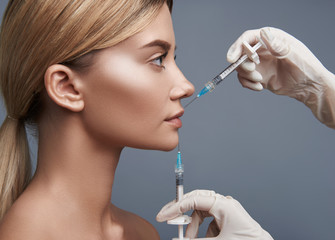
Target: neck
x: 75, y: 169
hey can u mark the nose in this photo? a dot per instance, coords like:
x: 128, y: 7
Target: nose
x: 182, y: 88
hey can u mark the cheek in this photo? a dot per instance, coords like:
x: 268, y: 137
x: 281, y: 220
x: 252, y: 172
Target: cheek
x: 126, y: 103
x: 133, y: 83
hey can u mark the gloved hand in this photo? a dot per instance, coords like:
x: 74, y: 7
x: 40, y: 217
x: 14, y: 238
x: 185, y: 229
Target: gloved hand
x: 287, y: 67
x: 230, y: 222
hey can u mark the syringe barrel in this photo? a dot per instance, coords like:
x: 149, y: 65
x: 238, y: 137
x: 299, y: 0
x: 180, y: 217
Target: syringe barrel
x: 179, y: 183
x: 179, y: 192
x: 234, y: 65
x: 216, y: 80
x: 179, y: 179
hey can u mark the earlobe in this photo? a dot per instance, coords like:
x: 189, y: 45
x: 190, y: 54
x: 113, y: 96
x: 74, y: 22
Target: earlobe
x: 63, y: 87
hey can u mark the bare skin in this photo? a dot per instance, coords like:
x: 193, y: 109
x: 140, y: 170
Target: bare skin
x: 129, y: 97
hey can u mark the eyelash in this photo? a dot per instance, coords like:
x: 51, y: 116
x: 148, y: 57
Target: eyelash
x: 161, y: 59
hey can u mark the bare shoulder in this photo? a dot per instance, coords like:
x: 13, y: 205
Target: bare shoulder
x: 136, y: 226
x: 23, y: 221
x: 145, y: 230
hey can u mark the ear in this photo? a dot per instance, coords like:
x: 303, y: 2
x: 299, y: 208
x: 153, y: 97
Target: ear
x: 63, y: 87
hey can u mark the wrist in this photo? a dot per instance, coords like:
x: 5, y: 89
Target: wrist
x: 329, y: 99
x: 321, y: 100
x: 328, y: 79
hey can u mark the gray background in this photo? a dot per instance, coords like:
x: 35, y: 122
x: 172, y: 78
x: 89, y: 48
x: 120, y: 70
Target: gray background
x: 267, y: 151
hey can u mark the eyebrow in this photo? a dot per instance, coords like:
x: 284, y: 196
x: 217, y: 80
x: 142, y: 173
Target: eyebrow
x: 159, y: 43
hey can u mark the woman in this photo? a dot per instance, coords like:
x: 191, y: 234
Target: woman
x: 93, y: 84
x: 94, y: 76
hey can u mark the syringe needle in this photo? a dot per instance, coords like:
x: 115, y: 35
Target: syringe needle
x: 190, y: 102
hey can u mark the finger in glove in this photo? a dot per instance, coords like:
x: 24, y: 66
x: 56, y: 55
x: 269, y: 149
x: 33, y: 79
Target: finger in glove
x: 256, y: 86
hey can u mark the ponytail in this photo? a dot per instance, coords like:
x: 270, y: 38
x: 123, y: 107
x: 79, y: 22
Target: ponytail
x: 15, y: 166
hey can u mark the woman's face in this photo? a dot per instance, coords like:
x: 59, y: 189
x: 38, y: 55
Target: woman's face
x: 132, y: 91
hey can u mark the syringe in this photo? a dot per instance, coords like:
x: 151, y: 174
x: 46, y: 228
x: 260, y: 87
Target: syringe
x: 182, y: 219
x: 179, y: 171
x: 250, y: 53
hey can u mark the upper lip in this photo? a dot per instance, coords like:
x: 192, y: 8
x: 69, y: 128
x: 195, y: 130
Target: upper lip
x: 177, y: 115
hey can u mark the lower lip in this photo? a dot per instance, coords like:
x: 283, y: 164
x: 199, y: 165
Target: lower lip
x: 176, y: 122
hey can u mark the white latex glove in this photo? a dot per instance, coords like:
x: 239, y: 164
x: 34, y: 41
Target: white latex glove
x: 231, y: 221
x: 287, y: 67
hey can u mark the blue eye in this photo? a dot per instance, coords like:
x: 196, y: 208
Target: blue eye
x: 159, y: 60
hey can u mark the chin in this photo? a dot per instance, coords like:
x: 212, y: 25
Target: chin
x: 160, y: 145
x: 160, y: 142
x: 168, y: 148
x: 167, y: 144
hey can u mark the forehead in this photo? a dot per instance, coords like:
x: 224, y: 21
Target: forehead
x: 160, y: 28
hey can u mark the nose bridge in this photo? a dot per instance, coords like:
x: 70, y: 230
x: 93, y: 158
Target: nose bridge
x: 182, y: 87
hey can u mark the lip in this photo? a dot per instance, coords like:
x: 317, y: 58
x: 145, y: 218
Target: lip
x: 174, y: 120
x: 177, y: 115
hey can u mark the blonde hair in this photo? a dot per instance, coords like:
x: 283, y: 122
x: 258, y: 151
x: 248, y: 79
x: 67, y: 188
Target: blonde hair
x: 36, y: 34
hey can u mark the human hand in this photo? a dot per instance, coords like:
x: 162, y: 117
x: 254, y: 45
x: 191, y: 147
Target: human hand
x: 287, y: 67
x: 230, y: 222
